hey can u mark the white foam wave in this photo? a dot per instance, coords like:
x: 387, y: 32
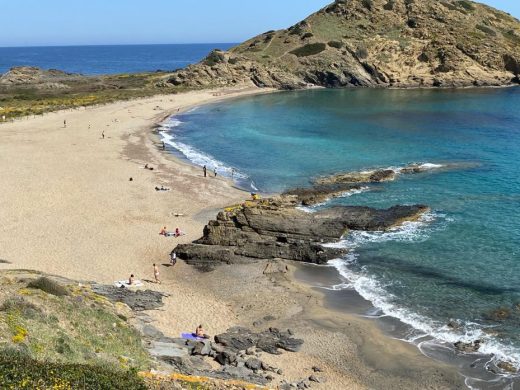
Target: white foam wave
x: 198, y: 157
x: 377, y: 293
x: 346, y: 194
x: 412, y: 231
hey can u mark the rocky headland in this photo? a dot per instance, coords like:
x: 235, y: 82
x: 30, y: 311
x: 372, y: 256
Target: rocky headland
x: 275, y: 228
x: 373, y: 43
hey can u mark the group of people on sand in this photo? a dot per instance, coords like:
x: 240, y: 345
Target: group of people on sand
x: 205, y: 171
x: 176, y: 233
x: 132, y: 280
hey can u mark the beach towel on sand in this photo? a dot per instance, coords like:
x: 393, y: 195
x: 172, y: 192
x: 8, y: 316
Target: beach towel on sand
x: 124, y: 283
x: 191, y: 336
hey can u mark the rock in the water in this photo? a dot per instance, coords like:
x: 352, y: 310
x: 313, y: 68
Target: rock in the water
x: 468, y: 347
x: 500, y: 314
x: 274, y: 228
x: 375, y: 176
x: 507, y: 366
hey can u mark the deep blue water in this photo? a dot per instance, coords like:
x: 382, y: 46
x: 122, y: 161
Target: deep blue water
x: 463, y: 260
x: 95, y: 60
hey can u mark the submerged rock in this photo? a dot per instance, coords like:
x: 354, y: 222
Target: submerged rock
x: 375, y: 176
x: 468, y: 347
x: 507, y: 366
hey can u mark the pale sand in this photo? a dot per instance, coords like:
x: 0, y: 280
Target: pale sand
x: 67, y: 207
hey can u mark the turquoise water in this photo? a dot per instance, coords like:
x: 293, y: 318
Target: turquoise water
x: 462, y: 261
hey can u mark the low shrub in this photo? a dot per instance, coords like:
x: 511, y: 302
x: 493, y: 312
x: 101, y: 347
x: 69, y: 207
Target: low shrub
x: 18, y: 371
x: 49, y: 286
x: 309, y: 50
x: 486, y: 29
x: 466, y: 5
x: 335, y: 44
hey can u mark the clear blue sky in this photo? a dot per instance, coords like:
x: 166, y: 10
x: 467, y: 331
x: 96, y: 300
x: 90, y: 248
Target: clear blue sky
x: 82, y: 22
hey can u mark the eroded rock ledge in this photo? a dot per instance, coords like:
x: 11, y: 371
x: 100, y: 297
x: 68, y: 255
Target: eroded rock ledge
x: 275, y: 228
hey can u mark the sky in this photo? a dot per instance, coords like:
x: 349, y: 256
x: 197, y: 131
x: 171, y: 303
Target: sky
x: 93, y: 22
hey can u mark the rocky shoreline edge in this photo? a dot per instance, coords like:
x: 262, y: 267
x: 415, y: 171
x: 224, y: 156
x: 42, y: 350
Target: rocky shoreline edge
x: 276, y: 228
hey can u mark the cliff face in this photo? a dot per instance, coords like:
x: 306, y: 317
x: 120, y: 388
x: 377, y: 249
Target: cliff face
x: 375, y: 43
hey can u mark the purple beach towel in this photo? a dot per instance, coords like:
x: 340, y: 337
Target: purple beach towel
x: 191, y: 336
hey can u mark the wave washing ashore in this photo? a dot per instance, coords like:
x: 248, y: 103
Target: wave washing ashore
x: 451, y: 276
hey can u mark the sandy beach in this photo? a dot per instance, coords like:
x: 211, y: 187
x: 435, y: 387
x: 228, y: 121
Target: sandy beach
x: 68, y: 207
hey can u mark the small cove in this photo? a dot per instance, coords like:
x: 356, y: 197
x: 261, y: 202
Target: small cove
x: 461, y: 263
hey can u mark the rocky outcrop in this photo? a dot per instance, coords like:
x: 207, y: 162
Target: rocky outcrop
x: 380, y: 175
x: 36, y: 77
x: 274, y: 228
x: 138, y: 300
x: 237, y: 352
x: 375, y: 43
x: 376, y: 176
x: 227, y: 69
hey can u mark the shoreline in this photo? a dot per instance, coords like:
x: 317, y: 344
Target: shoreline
x: 88, y: 222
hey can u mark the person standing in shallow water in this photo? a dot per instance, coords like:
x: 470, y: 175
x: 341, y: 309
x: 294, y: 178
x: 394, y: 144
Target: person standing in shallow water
x: 204, y: 169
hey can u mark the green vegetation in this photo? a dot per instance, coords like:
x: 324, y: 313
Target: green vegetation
x: 60, y: 336
x: 309, y: 50
x: 32, y: 99
x: 486, y: 30
x: 466, y: 5
x: 335, y: 44
x: 17, y: 371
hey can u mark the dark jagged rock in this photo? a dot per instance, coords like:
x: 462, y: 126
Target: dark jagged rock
x: 270, y: 341
x: 468, y: 347
x: 274, y: 228
x: 137, y: 300
x: 373, y: 176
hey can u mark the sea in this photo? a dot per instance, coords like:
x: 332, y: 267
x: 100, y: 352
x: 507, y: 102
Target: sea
x: 98, y: 60
x: 452, y: 276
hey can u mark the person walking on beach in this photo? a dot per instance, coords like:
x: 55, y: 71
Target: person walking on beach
x: 156, y: 273
x: 173, y: 258
x: 215, y: 171
x: 103, y: 134
x: 64, y: 123
x: 204, y: 169
x: 163, y: 146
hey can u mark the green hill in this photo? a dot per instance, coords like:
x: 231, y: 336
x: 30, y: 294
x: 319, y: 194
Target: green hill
x: 374, y: 43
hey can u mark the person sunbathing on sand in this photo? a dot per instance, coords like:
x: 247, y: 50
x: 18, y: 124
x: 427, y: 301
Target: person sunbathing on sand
x: 199, y: 332
x: 163, y: 231
x: 179, y: 233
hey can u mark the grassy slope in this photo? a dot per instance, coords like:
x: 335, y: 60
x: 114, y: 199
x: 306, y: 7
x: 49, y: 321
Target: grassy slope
x: 54, y: 338
x: 24, y: 100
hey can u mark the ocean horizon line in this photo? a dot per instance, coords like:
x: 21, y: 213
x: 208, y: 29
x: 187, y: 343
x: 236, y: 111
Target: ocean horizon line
x: 119, y: 44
